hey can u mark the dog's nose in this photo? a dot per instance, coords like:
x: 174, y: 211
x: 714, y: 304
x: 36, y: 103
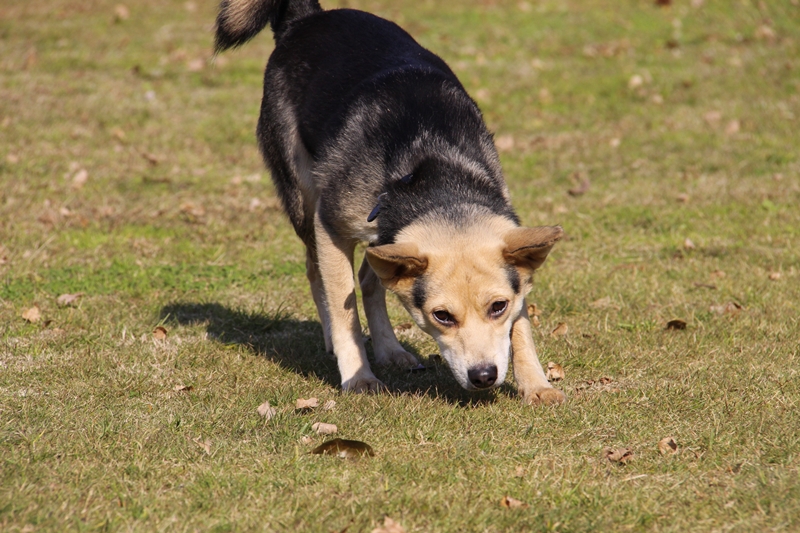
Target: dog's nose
x: 483, y: 377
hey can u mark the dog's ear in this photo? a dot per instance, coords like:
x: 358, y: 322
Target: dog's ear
x: 528, y: 247
x: 393, y: 262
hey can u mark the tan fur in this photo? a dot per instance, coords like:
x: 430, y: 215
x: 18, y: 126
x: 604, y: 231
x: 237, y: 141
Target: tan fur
x: 238, y: 15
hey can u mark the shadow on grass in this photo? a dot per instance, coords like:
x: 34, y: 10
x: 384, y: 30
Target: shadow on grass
x: 297, y: 345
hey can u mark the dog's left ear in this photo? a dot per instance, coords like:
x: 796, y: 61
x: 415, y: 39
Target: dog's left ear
x: 393, y: 262
x: 528, y: 247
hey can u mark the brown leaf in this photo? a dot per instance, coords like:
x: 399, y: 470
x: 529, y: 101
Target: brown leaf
x: 535, y: 321
x: 712, y: 117
x: 310, y: 403
x: 32, y: 315
x: 306, y: 439
x: 676, y: 324
x: 555, y: 372
x: 733, y: 127
x: 504, y: 143
x: 330, y: 404
x: 160, y: 333
x: 68, y: 299
x: 182, y: 388
x: 512, y: 503
x: 121, y: 13
x: 774, y: 276
x: 266, y: 410
x: 324, y: 429
x: 205, y: 444
x: 667, y: 445
x: 389, y: 526
x: 718, y: 274
x: 682, y: 198
x: 402, y: 327
x: 582, y: 187
x: 560, y: 331
x: 619, y: 455
x: 730, y: 308
x: 346, y: 449
x: 601, y: 303
x: 533, y: 310
x: 689, y: 244
x: 80, y: 178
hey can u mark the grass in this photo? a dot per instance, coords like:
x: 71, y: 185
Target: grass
x: 684, y: 119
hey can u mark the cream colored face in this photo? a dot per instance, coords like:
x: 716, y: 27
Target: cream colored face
x: 465, y: 286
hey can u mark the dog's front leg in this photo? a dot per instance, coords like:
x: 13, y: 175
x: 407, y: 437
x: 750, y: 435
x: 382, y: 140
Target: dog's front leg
x: 335, y: 257
x: 531, y: 380
x: 388, y: 350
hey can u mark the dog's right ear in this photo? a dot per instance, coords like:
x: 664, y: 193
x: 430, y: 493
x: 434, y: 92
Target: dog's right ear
x: 394, y: 262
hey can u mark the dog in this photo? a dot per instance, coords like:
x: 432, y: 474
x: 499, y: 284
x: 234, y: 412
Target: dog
x: 371, y: 138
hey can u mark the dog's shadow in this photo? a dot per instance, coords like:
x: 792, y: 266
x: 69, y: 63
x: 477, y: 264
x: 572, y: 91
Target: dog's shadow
x: 297, y: 345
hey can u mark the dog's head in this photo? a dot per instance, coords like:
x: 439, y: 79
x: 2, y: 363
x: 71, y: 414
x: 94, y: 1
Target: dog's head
x: 465, y: 286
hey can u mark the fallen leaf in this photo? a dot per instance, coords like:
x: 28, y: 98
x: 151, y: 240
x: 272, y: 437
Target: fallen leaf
x: 733, y: 127
x: 68, y: 299
x: 160, y: 333
x: 512, y: 503
x: 619, y: 455
x: 80, y: 178
x: 306, y: 439
x: 402, y: 327
x: 765, y: 32
x: 346, y: 449
x: 560, y: 331
x: 676, y: 324
x: 775, y: 276
x: 12, y: 159
x: 615, y: 142
x: 182, y: 388
x: 504, y: 143
x: 302, y: 403
x: 705, y: 285
x: 581, y: 188
x: 519, y: 471
x: 712, y: 117
x: 324, y: 429
x: 121, y: 13
x: 730, y: 308
x: 533, y: 310
x: 555, y: 372
x: 635, y: 82
x: 330, y: 404
x: 688, y: 244
x: 602, y: 303
x: 389, y: 526
x: 195, y: 65
x: 205, y: 444
x: 718, y: 274
x: 32, y: 315
x: 667, y: 445
x: 682, y: 197
x: 266, y: 410
x: 535, y: 321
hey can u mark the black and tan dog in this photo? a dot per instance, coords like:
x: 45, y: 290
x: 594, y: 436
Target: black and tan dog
x: 371, y: 138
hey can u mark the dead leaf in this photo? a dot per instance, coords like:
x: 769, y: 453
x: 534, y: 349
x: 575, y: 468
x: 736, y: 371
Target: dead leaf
x: 733, y: 127
x: 688, y: 244
x: 346, y: 449
x: 560, y: 331
x: 635, y: 82
x: 205, y: 444
x: 121, y: 13
x: 266, y: 410
x: 533, y: 310
x: 402, y: 327
x: 774, y: 276
x: 160, y: 333
x: 182, y: 388
x: 555, y: 372
x: 330, y: 404
x: 306, y: 439
x: 602, y: 303
x: 195, y: 65
x: 619, y: 455
x: 324, y: 429
x: 667, y: 445
x: 682, y: 197
x: 68, y: 299
x: 717, y: 274
x: 80, y: 178
x: 504, y: 143
x: 12, y: 159
x: 535, y: 321
x: 765, y: 32
x: 389, y: 526
x: 512, y: 503
x: 676, y: 324
x: 32, y: 315
x: 730, y: 308
x: 705, y: 285
x: 712, y: 117
x: 302, y: 403
x: 582, y: 187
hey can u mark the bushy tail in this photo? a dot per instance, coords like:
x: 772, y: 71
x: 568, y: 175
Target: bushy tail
x: 241, y: 20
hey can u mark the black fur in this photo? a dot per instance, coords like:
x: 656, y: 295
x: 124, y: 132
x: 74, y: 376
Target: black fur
x: 277, y: 13
x: 418, y: 291
x: 513, y: 278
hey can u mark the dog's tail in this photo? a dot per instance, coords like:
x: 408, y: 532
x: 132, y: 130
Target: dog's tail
x: 241, y: 20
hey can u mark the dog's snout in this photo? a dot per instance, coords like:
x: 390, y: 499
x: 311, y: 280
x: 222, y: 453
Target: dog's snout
x: 483, y: 377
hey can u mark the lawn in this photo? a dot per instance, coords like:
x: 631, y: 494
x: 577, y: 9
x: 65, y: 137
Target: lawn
x: 129, y: 175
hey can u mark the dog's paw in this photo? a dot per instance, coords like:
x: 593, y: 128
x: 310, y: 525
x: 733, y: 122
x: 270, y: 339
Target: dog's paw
x: 398, y: 357
x: 361, y: 384
x: 544, y: 396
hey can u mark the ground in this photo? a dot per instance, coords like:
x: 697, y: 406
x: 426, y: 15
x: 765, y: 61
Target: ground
x: 129, y: 174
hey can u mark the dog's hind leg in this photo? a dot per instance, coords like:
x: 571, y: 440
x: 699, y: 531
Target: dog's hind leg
x: 387, y: 349
x: 317, y: 291
x: 531, y: 380
x: 335, y: 261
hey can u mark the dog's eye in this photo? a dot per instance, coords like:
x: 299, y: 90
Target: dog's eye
x: 498, y: 308
x: 445, y: 318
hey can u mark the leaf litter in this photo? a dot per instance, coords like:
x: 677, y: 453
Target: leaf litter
x: 389, y: 526
x: 512, y: 503
x: 321, y: 428
x: 32, y: 315
x: 68, y: 299
x: 303, y: 404
x: 618, y: 455
x: 667, y: 445
x: 266, y: 410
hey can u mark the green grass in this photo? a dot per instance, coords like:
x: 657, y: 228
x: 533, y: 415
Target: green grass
x: 177, y: 225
